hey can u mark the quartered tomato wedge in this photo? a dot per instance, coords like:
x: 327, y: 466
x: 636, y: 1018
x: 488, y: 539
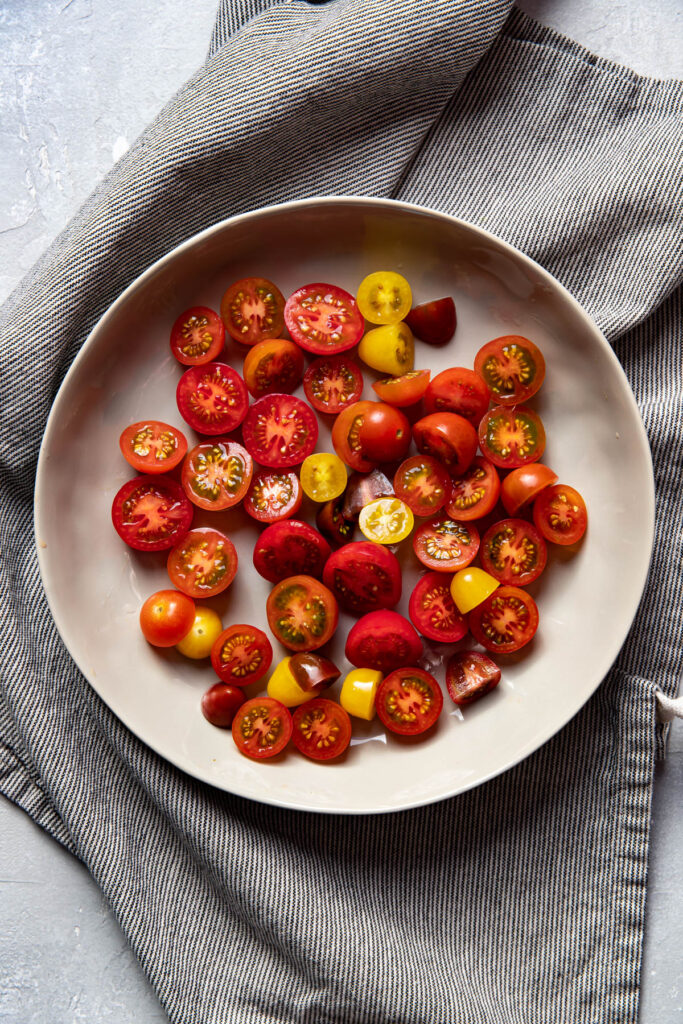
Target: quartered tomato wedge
x: 448, y: 437
x: 151, y: 446
x: 433, y: 610
x: 386, y: 520
x: 363, y: 577
x: 403, y: 391
x: 280, y: 431
x: 323, y: 319
x: 433, y: 322
x: 470, y: 675
x: 458, y: 390
x: 505, y: 621
x: 213, y: 398
x: 323, y: 476
x: 560, y: 514
x: 262, y: 728
x: 273, y: 495
x: 409, y: 701
x: 302, y: 613
x: 383, y: 640
x: 290, y: 548
x: 151, y: 513
x: 321, y: 729
x: 276, y: 365
x: 514, y: 552
x: 197, y: 336
x: 203, y: 563
x: 241, y: 654
x: 423, y: 483
x: 384, y: 297
x: 512, y: 367
x: 252, y: 310
x: 511, y: 437
x: 217, y: 474
x: 445, y: 545
x: 333, y: 382
x: 522, y: 485
x: 475, y: 492
x: 346, y: 436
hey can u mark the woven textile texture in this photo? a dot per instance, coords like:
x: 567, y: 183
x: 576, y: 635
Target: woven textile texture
x: 521, y: 901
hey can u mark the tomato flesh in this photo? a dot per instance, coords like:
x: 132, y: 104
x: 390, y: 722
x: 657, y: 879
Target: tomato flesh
x: 383, y: 640
x: 197, y: 336
x: 409, y: 701
x: 252, y: 310
x: 273, y: 366
x: 458, y: 390
x: 470, y: 675
x: 273, y: 496
x: 333, y: 382
x: 506, y: 621
x: 384, y: 297
x: 403, y: 391
x: 446, y: 545
x: 448, y: 437
x: 166, y: 617
x: 213, y: 398
x: 433, y: 322
x: 423, y: 483
x: 511, y: 437
x: 511, y: 367
x: 560, y: 514
x: 302, y: 613
x: 363, y: 577
x: 323, y: 476
x: 262, y: 728
x: 241, y: 654
x: 151, y: 513
x: 203, y: 563
x: 475, y: 492
x: 386, y: 520
x: 522, y: 485
x: 290, y: 548
x: 514, y: 552
x: 217, y: 474
x: 151, y: 446
x: 433, y: 610
x: 323, y: 319
x: 280, y: 431
x: 321, y: 729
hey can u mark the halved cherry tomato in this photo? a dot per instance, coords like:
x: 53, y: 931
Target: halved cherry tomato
x: 383, y: 640
x: 302, y: 613
x: 346, y: 436
x: 323, y: 319
x: 280, y: 431
x: 433, y: 610
x: 560, y: 514
x: 471, y: 586
x: 272, y: 366
x: 384, y: 434
x: 241, y: 654
x: 197, y: 336
x: 220, y: 704
x: 511, y: 437
x: 217, y: 474
x: 475, y: 492
x: 332, y: 523
x: 384, y: 297
x: 514, y: 552
x: 323, y: 476
x: 301, y: 677
x: 151, y: 513
x: 273, y: 495
x: 512, y: 367
x: 405, y: 390
x: 505, y: 621
x: 433, y: 322
x: 333, y: 382
x: 363, y: 577
x: 446, y: 545
x: 200, y: 637
x: 448, y: 437
x: 322, y: 729
x: 203, y: 563
x: 213, y: 398
x: 469, y: 675
x: 252, y: 310
x: 409, y: 701
x: 358, y: 692
x: 423, y: 483
x: 362, y: 488
x: 151, y: 446
x: 166, y: 617
x: 521, y: 486
x: 386, y: 520
x: 290, y: 548
x: 458, y: 390
x: 262, y: 728
x: 389, y: 349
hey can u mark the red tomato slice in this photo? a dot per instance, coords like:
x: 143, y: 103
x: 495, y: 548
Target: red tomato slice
x: 403, y: 391
x: 302, y: 613
x: 433, y: 610
x: 322, y: 729
x: 469, y: 675
x: 220, y: 704
x: 333, y: 382
x: 511, y: 437
x: 151, y: 446
x: 213, y: 399
x: 197, y: 336
x: 423, y: 483
x: 505, y: 621
x: 448, y: 437
x: 514, y: 552
x: 272, y: 366
x: 203, y: 563
x: 262, y: 728
x: 323, y: 319
x: 290, y: 548
x: 475, y: 492
x: 241, y: 654
x: 383, y: 640
x: 151, y: 513
x: 446, y: 545
x: 560, y: 514
x: 273, y: 496
x: 384, y: 435
x: 252, y: 310
x: 166, y: 618
x: 409, y: 701
x: 512, y: 368
x: 217, y: 474
x: 458, y: 390
x: 346, y: 436
x: 363, y: 577
x: 433, y: 322
x: 280, y: 431
x: 521, y: 486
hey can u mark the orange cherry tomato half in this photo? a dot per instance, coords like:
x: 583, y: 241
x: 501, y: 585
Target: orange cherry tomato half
x: 458, y: 390
x: 262, y: 728
x: 513, y: 552
x: 409, y: 701
x: 512, y: 367
x: 197, y: 336
x: 448, y: 437
x: 560, y: 514
x: 252, y: 310
x: 203, y: 563
x: 475, y: 492
x: 241, y: 654
x: 321, y: 729
x: 166, y: 617
x: 275, y: 365
x: 405, y: 390
x: 151, y: 446
x: 302, y: 613
x: 323, y: 319
x: 506, y: 621
x: 217, y: 474
x: 445, y: 545
x: 521, y: 486
x: 511, y: 437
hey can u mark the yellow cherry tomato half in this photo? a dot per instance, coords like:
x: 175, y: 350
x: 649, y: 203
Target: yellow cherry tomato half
x: 384, y: 297
x: 283, y: 686
x: 471, y: 586
x: 204, y: 630
x: 386, y: 520
x: 358, y: 692
x: 389, y: 349
x: 323, y: 476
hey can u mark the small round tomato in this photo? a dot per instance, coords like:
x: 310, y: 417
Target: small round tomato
x: 197, y: 336
x: 200, y: 637
x: 322, y: 729
x: 560, y: 514
x: 333, y: 524
x: 252, y: 310
x: 469, y: 675
x: 346, y: 436
x: 423, y: 483
x: 273, y: 496
x: 384, y: 297
x: 389, y: 349
x: 241, y: 654
x: 213, y: 398
x: 151, y: 446
x: 323, y: 319
x: 521, y: 486
x: 262, y: 728
x: 203, y: 563
x: 511, y: 437
x: 448, y: 437
x: 383, y: 640
x: 446, y: 545
x: 358, y: 692
x: 217, y: 474
x: 151, y: 513
x: 505, y: 621
x: 514, y: 552
x: 220, y: 704
x: 403, y: 391
x: 433, y: 322
x: 302, y: 613
x: 386, y: 520
x: 471, y: 586
x: 384, y: 434
x: 276, y: 365
x: 475, y: 492
x: 458, y: 390
x: 166, y: 617
x: 409, y: 701
x: 363, y: 577
x: 512, y: 368
x: 280, y: 431
x: 323, y: 476
x: 433, y: 610
x: 290, y: 548
x: 333, y: 382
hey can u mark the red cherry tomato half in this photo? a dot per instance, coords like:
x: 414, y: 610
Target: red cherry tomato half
x: 290, y: 548
x: 512, y: 368
x: 166, y: 617
x: 272, y: 366
x: 217, y: 474
x: 280, y: 431
x: 449, y: 438
x: 322, y: 729
x: 475, y: 492
x: 446, y: 545
x: 213, y: 398
x: 302, y: 613
x: 333, y: 382
x: 383, y: 640
x: 423, y: 483
x: 332, y: 522
x: 252, y: 310
x: 560, y: 514
x: 151, y: 446
x: 458, y: 390
x: 273, y: 495
x: 197, y: 336
x: 403, y: 391
x: 363, y: 577
x: 521, y: 486
x: 511, y: 437
x: 514, y: 552
x: 470, y: 675
x: 433, y: 322
x: 203, y: 563
x: 409, y: 701
x: 151, y: 513
x: 262, y: 728
x: 505, y: 621
x: 346, y: 436
x: 384, y: 434
x: 433, y: 610
x: 323, y: 319
x: 241, y: 654
x: 220, y: 704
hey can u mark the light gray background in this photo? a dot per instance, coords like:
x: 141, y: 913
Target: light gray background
x: 78, y: 82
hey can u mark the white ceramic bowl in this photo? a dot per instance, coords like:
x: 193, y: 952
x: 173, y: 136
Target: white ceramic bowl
x: 124, y: 372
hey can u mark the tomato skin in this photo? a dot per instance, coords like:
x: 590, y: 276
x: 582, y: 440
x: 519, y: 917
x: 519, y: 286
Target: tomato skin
x: 220, y: 704
x: 363, y: 577
x: 511, y: 367
x: 333, y: 524
x: 199, y: 639
x: 433, y: 322
x: 389, y: 349
x: 323, y: 319
x: 323, y: 476
x: 403, y: 391
x: 290, y: 548
x: 506, y: 621
x: 383, y: 640
x: 560, y: 514
x: 346, y: 436
x: 252, y: 310
x: 445, y: 545
x: 302, y: 613
x: 522, y: 485
x: 433, y: 611
x: 273, y: 495
x: 275, y: 365
x: 150, y: 446
x: 197, y: 336
x: 471, y: 586
x: 203, y: 563
x: 448, y: 437
x: 333, y: 382
x: 511, y: 437
x: 474, y: 493
x: 212, y: 398
x: 423, y: 483
x: 458, y: 390
x: 279, y: 431
x: 321, y: 729
x: 513, y: 552
x: 470, y: 675
x: 262, y: 728
x: 409, y: 701
x: 151, y: 513
x: 384, y: 434
x: 216, y: 474
x: 166, y: 617
x: 241, y: 654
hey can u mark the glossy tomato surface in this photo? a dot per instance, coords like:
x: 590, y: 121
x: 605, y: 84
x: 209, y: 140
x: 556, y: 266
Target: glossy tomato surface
x: 276, y: 365
x: 409, y: 701
x: 302, y: 613
x: 280, y: 431
x: 511, y: 367
x: 332, y: 522
x: 433, y: 322
x: 403, y: 391
x: 363, y: 577
x: 470, y: 675
x: 386, y: 520
x: 346, y: 436
x: 449, y: 438
x: 514, y: 552
x: 323, y: 476
x: 458, y: 390
x: 220, y: 703
x: 262, y: 728
x: 323, y: 319
x: 423, y: 483
x: 389, y: 349
x: 475, y: 492
x: 213, y: 398
x: 383, y: 640
x: 384, y: 435
x: 217, y: 474
x: 384, y: 297
x: 150, y: 446
x: 333, y: 382
x: 197, y: 336
x: 560, y: 514
x: 512, y: 437
x: 506, y: 621
x: 290, y: 548
x: 433, y: 611
x: 241, y: 654
x: 203, y: 563
x: 446, y: 545
x: 522, y: 485
x: 151, y: 513
x: 273, y: 495
x: 252, y: 310
x: 362, y: 488
x: 166, y: 617
x: 321, y: 729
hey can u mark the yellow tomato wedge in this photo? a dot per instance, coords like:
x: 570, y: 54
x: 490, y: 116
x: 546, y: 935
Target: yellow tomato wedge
x: 384, y: 297
x: 283, y: 686
x: 471, y: 586
x: 358, y: 692
x: 389, y: 349
x: 206, y: 627
x: 386, y: 520
x: 323, y: 476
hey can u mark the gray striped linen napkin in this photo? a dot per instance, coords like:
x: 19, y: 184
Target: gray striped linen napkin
x: 519, y: 901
